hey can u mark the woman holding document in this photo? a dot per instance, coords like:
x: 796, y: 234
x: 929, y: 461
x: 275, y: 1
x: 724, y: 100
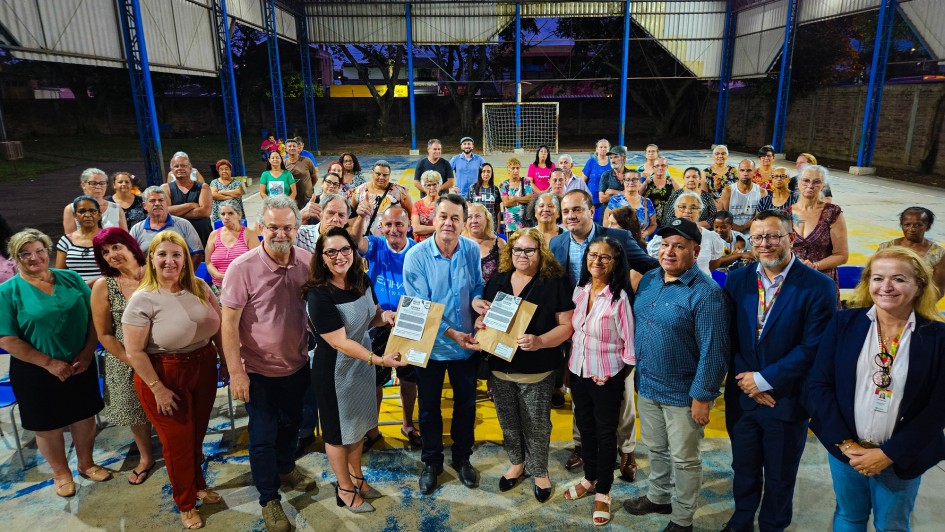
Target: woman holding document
x: 522, y: 386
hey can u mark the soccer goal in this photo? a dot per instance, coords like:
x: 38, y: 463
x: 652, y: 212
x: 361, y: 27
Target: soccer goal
x: 538, y: 126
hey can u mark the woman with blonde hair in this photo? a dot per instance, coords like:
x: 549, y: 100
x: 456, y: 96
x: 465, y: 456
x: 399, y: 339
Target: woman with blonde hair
x: 480, y: 228
x: 172, y: 333
x: 877, y: 389
x: 522, y: 387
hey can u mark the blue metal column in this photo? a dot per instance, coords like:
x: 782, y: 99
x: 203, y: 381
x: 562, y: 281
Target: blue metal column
x: 413, y: 106
x: 518, y: 75
x: 624, y: 73
x: 784, y: 79
x: 308, y: 89
x: 142, y: 93
x: 231, y: 110
x: 725, y: 71
x: 275, y: 70
x: 874, y: 94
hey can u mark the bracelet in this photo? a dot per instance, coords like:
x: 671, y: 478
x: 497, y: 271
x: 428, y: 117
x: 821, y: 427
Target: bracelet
x: 370, y: 359
x: 155, y: 381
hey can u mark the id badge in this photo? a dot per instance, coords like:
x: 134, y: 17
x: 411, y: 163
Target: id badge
x: 882, y: 401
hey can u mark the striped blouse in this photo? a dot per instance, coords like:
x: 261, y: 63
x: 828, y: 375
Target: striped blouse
x: 222, y: 256
x: 602, y: 343
x: 79, y: 259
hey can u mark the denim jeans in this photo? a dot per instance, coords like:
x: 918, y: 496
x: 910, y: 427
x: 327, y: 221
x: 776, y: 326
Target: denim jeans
x: 275, y: 412
x: 430, y: 387
x: 890, y: 498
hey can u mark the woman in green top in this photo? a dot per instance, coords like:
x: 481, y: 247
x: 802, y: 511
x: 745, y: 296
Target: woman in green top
x: 276, y: 179
x: 46, y: 325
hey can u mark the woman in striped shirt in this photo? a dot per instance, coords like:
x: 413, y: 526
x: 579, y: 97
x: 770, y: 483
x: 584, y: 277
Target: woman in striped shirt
x: 228, y: 242
x: 75, y: 248
x: 601, y: 350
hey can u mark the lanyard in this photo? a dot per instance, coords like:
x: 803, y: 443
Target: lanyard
x: 764, y: 309
x: 893, y: 350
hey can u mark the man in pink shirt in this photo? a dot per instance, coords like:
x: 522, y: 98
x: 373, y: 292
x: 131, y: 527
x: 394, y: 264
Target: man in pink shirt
x: 265, y: 338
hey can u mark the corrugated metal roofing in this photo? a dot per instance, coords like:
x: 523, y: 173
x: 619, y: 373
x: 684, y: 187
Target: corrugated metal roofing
x: 927, y: 17
x: 692, y: 31
x: 759, y: 36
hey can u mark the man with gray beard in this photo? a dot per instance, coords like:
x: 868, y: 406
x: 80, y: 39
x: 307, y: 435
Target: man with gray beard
x: 265, y: 338
x: 611, y: 182
x: 782, y: 308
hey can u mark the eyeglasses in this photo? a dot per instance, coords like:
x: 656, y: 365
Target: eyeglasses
x: 688, y: 208
x: 767, y: 239
x: 528, y: 252
x: 809, y: 182
x: 276, y: 228
x: 632, y: 180
x: 766, y: 156
x: 604, y: 259
x: 332, y: 253
x: 98, y: 184
x: 27, y: 255
x: 882, y: 378
x: 778, y: 176
x: 332, y: 183
x: 432, y: 184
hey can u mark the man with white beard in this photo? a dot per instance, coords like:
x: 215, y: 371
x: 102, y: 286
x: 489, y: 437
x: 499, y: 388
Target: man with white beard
x: 611, y: 182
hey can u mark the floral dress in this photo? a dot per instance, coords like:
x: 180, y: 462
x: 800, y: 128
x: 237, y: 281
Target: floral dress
x: 515, y: 216
x: 394, y: 196
x: 658, y: 195
x: 718, y: 182
x: 121, y: 402
x: 425, y: 213
x: 760, y: 180
x: 218, y: 184
x: 818, y: 245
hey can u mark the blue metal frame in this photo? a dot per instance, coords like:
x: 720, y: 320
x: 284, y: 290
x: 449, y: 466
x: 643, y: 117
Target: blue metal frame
x: 136, y: 54
x: 874, y: 94
x: 308, y: 89
x: 624, y: 73
x: 231, y: 110
x: 275, y: 69
x: 725, y: 71
x: 784, y: 79
x: 410, y: 93
x: 518, y: 75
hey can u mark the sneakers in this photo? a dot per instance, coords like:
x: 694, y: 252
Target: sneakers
x: 275, y: 518
x: 296, y: 480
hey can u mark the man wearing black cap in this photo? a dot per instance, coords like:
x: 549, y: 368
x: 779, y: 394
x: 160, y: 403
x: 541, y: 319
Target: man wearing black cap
x: 611, y: 181
x: 681, y: 322
x: 465, y: 166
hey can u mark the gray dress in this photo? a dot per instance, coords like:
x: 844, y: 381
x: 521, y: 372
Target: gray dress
x: 344, y: 385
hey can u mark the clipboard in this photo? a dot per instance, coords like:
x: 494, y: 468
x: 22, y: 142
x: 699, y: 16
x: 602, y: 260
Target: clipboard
x: 414, y: 352
x: 504, y: 344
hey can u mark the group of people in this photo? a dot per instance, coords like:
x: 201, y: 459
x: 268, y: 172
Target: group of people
x: 297, y: 317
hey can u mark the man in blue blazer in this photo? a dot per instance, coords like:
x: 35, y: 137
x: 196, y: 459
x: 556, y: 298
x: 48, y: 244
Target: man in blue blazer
x: 781, y: 310
x: 577, y: 212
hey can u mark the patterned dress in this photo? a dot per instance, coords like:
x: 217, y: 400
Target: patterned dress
x: 718, y: 182
x: 932, y: 257
x: 818, y: 245
x: 515, y: 216
x: 121, y: 402
x: 394, y: 196
x: 658, y: 195
x: 218, y: 184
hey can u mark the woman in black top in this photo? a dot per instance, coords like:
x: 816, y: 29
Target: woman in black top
x: 522, y: 388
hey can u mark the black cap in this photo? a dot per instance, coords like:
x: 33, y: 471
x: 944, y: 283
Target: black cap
x: 618, y: 150
x: 683, y: 227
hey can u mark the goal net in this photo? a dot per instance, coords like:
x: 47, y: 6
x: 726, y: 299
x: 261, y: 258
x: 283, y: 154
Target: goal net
x: 538, y: 126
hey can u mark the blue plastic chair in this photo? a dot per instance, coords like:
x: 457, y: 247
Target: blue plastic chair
x: 849, y: 276
x: 219, y: 223
x: 719, y: 277
x: 202, y: 273
x: 7, y: 399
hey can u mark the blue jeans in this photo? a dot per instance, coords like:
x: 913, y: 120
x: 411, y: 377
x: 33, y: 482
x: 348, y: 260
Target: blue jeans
x: 430, y: 387
x: 890, y: 498
x: 275, y: 413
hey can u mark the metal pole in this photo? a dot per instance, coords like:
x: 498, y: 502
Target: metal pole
x: 624, y: 73
x: 725, y: 71
x: 874, y: 94
x: 410, y: 92
x: 275, y: 68
x: 518, y: 75
x: 784, y: 79
x: 231, y: 110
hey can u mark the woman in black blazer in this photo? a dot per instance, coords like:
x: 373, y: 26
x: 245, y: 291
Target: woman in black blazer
x: 877, y: 389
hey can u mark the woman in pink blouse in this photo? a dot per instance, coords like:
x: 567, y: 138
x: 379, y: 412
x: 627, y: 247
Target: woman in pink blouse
x: 601, y: 350
x: 540, y: 170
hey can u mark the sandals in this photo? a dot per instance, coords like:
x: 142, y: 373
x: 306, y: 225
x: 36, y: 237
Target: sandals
x: 579, y: 490
x: 64, y: 488
x: 601, y: 515
x: 209, y: 496
x: 140, y: 477
x: 413, y: 436
x: 191, y: 519
x: 96, y: 473
x: 369, y: 442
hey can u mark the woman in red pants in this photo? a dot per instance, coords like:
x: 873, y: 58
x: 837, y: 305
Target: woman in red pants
x: 169, y: 324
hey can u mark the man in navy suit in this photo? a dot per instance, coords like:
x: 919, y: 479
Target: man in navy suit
x: 577, y: 212
x: 781, y: 310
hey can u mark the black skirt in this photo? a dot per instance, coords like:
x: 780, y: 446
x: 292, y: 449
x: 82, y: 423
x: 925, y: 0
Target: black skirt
x: 46, y: 403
